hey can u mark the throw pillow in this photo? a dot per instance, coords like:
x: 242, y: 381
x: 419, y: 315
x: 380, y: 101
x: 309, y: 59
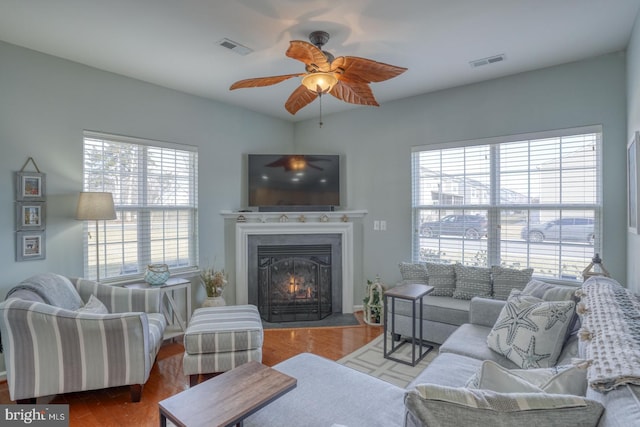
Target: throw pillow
x: 94, y: 305
x: 472, y: 282
x: 443, y: 279
x: 529, y: 331
x: 565, y: 379
x: 506, y: 279
x: 550, y: 292
x: 413, y: 272
x: 430, y: 404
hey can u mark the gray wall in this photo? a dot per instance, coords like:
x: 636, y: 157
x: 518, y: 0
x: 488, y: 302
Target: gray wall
x: 376, y: 143
x: 46, y: 104
x: 633, y: 125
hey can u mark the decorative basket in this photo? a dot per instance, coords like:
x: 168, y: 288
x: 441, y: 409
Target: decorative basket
x: 156, y: 274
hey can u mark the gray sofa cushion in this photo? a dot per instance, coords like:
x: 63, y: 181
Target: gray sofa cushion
x: 471, y: 340
x: 437, y: 309
x: 448, y: 369
x: 472, y: 282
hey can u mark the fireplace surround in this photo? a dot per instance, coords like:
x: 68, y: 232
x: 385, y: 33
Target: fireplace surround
x: 341, y: 223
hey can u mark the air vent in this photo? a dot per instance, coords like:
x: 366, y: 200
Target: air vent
x: 234, y: 46
x: 487, y: 61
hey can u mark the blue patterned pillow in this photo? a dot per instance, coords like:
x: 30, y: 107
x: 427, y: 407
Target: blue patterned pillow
x: 443, y: 279
x: 413, y: 272
x: 506, y: 279
x: 472, y: 282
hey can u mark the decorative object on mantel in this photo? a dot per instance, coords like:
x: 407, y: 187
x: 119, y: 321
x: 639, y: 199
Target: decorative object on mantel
x: 374, y: 303
x: 324, y: 218
x: 302, y: 218
x: 595, y: 268
x: 96, y: 206
x: 283, y: 218
x: 214, y: 282
x: 30, y: 213
x: 156, y: 274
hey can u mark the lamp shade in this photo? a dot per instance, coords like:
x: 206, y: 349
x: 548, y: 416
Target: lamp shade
x: 319, y: 82
x: 95, y: 206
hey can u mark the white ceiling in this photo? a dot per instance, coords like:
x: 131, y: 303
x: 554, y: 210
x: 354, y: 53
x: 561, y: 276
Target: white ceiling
x: 173, y: 43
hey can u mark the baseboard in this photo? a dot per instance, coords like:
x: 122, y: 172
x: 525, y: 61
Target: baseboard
x: 358, y: 308
x: 3, y: 375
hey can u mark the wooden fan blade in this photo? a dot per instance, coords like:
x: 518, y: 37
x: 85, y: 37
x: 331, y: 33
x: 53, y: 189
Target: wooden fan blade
x: 312, y: 57
x: 263, y: 81
x: 300, y: 98
x: 354, y: 93
x: 365, y: 70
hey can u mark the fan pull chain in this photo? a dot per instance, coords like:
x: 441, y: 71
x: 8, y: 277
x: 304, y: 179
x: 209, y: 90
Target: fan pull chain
x: 320, y: 97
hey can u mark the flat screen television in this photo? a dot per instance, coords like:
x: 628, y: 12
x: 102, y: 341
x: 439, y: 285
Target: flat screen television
x: 293, y: 181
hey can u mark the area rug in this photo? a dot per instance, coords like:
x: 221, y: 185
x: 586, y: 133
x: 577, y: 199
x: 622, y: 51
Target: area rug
x: 369, y: 359
x: 333, y: 320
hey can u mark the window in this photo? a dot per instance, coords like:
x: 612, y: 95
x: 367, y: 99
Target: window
x: 154, y: 186
x: 524, y: 201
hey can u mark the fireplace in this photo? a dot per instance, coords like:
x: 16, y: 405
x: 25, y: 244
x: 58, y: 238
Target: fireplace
x: 295, y: 277
x: 294, y: 282
x: 244, y: 229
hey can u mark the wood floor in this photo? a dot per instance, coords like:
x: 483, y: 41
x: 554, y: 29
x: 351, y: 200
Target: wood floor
x: 112, y: 407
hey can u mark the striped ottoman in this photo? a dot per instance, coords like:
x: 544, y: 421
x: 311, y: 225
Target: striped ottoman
x: 220, y: 338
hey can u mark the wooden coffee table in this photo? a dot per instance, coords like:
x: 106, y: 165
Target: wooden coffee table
x: 227, y: 399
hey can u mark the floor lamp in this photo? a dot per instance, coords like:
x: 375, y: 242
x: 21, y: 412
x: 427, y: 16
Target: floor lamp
x: 96, y: 206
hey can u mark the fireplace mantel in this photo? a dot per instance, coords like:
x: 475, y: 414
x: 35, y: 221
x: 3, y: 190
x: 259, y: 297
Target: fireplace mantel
x: 260, y: 223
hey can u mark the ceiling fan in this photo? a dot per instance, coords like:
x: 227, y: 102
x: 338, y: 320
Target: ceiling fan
x: 345, y: 77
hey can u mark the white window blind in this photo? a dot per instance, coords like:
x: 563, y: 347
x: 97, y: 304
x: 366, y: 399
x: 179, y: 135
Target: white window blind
x: 522, y: 201
x: 154, y: 186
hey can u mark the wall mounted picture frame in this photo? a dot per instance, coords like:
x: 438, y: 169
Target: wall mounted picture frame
x: 30, y: 186
x: 30, y: 216
x: 633, y: 186
x: 30, y: 245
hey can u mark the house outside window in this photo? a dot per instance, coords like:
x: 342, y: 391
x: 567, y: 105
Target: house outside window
x: 524, y: 201
x: 154, y: 186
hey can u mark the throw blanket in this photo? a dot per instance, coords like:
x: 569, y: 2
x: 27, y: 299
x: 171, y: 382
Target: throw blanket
x: 54, y: 289
x: 610, y: 333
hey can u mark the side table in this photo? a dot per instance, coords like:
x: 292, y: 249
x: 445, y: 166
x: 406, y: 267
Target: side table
x: 176, y: 322
x: 227, y: 399
x: 413, y: 293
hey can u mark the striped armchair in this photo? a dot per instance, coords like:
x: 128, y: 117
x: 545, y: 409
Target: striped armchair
x: 52, y: 345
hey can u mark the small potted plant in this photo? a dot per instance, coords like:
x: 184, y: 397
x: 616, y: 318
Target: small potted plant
x: 214, y: 282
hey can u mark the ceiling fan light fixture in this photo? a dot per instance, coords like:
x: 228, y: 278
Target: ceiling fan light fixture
x: 319, y: 82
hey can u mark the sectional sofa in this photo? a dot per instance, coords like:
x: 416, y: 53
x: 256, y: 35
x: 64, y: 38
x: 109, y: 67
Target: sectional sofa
x: 447, y: 306
x: 469, y: 383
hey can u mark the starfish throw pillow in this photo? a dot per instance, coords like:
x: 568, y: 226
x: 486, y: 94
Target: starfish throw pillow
x: 529, y: 331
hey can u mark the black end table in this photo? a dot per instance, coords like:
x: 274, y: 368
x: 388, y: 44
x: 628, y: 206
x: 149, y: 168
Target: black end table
x: 413, y: 293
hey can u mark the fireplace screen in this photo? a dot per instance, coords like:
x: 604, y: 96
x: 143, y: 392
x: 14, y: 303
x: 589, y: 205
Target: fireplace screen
x: 294, y: 282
